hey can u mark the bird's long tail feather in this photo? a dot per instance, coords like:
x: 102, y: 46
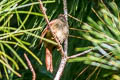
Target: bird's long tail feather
x: 48, y: 60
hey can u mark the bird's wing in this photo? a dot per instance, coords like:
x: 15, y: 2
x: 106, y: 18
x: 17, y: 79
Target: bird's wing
x: 42, y: 35
x: 45, y: 31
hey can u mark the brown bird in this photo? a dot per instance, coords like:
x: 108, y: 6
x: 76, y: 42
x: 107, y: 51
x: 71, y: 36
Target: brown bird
x: 60, y: 29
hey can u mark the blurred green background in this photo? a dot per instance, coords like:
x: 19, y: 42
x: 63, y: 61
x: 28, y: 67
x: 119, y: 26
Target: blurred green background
x: 93, y: 24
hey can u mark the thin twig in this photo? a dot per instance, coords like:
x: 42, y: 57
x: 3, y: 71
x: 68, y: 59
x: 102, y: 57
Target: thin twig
x: 31, y: 68
x: 64, y: 58
x: 79, y: 54
x: 55, y: 37
x: 61, y: 68
x: 84, y: 70
x: 77, y: 37
x: 66, y: 16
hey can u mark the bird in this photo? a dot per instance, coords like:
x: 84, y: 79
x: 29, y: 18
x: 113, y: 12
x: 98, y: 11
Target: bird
x: 60, y: 29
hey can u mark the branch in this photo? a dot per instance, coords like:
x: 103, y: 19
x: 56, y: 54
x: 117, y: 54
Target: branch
x: 30, y: 66
x: 65, y: 13
x: 64, y: 58
x: 61, y: 68
x: 80, y: 54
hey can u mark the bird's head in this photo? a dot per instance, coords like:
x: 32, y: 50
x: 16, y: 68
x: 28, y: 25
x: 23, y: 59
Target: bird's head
x: 62, y: 17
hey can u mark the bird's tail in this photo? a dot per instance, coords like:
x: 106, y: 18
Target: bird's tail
x: 48, y: 60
